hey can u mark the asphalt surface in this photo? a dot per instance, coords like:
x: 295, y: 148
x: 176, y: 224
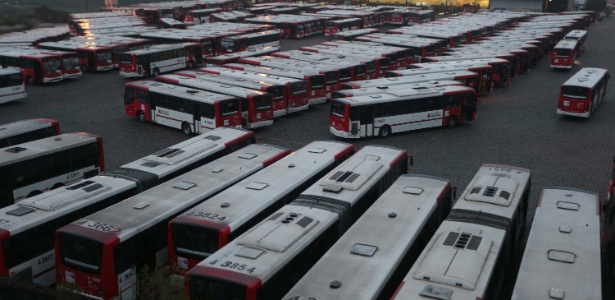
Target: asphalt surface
x: 516, y: 125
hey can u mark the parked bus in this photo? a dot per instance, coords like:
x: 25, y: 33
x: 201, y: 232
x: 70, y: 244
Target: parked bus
x: 256, y: 106
x: 267, y: 260
x: 92, y: 58
x: 332, y: 73
x: 209, y: 226
x: 564, y: 54
x: 562, y: 259
x: 295, y: 90
x: 385, y: 89
x: 31, y: 168
x: 12, y: 85
x: 375, y: 64
x: 185, y: 156
x: 199, y: 16
x: 484, y: 71
x: 499, y: 77
x: 187, y: 109
x: 487, y: 227
x: 351, y: 34
x: 422, y: 16
x: 372, y: 257
x: 244, y: 42
x: 315, y: 81
x: 160, y: 59
x: 71, y: 65
x: 277, y: 91
x: 401, y: 110
x: 220, y: 60
x: 27, y: 130
x: 469, y: 78
x: 37, y: 67
x: 403, y: 55
x: 167, y: 23
x: 580, y: 36
x: 581, y: 94
x: 341, y: 25
x: 103, y: 254
x: 357, y: 70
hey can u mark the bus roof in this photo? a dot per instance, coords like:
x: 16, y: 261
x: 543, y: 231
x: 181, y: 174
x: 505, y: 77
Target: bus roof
x: 405, y: 94
x: 566, y: 44
x: 586, y: 77
x: 160, y: 48
x: 179, y: 91
x: 22, y: 126
x: 29, y: 150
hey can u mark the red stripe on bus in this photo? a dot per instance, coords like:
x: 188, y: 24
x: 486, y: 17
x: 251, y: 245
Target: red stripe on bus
x: 346, y: 150
x: 398, y: 158
x: 236, y: 140
x: 398, y: 289
x: 166, y: 79
x: 248, y: 281
x: 276, y: 158
x: 4, y: 234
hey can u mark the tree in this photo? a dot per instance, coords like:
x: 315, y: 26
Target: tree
x: 595, y: 5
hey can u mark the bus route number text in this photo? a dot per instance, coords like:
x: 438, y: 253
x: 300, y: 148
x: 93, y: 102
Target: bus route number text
x: 231, y: 265
x: 98, y: 226
x: 207, y: 215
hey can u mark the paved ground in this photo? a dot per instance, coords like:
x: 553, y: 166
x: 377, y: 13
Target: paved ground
x: 516, y: 125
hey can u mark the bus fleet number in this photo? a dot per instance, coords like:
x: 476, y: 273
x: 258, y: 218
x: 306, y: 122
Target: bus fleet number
x: 213, y: 216
x: 45, y: 259
x: 98, y: 226
x: 232, y: 265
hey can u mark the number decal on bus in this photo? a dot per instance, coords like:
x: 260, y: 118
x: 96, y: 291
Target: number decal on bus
x: 207, y: 215
x: 502, y: 169
x: 232, y: 265
x: 45, y: 259
x: 98, y: 226
x: 3, y: 221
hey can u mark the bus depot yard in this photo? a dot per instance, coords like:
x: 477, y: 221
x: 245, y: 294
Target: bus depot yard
x: 515, y: 125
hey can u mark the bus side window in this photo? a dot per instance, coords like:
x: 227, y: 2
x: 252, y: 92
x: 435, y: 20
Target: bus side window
x: 207, y: 111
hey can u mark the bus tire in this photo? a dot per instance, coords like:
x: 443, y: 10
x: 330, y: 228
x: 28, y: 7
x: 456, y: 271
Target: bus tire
x: 29, y: 80
x: 141, y: 116
x: 156, y: 72
x: 451, y: 122
x: 186, y: 128
x: 57, y: 185
x: 34, y: 193
x: 384, y: 131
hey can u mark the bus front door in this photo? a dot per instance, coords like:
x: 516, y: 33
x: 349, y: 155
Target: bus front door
x: 468, y: 108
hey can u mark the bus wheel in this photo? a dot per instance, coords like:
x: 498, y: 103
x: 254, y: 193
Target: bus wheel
x: 29, y: 80
x: 57, y: 185
x: 385, y: 131
x: 34, y: 193
x: 186, y: 128
x: 452, y: 122
x: 141, y: 116
x: 156, y: 72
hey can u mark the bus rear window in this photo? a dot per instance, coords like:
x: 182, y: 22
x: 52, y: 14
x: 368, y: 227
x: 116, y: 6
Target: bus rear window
x: 298, y: 87
x: 262, y: 103
x: 338, y: 108
x: 331, y: 77
x: 330, y: 25
x: 126, y: 59
x: 80, y: 253
x: 206, y: 289
x: 277, y: 93
x: 229, y: 107
x: 345, y: 74
x: 562, y: 52
x: 193, y: 242
x: 317, y: 81
x: 575, y: 92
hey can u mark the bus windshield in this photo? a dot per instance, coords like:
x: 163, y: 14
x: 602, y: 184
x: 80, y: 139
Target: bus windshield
x: 229, y: 107
x: 80, y: 253
x: 52, y: 65
x: 338, y: 108
x: 227, y: 45
x: 103, y: 57
x: 70, y: 62
x: 201, y: 288
x: 575, y: 92
x: 318, y: 82
x: 194, y: 242
x: 298, y: 88
x: 330, y: 25
x: 262, y: 103
x: 126, y: 59
x: 276, y: 92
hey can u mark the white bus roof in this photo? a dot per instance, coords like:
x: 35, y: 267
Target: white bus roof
x: 404, y: 94
x: 566, y: 44
x: 586, y: 77
x: 29, y: 150
x: 160, y: 48
x: 451, y: 75
x: 183, y: 92
x: 22, y: 126
x: 208, y: 85
x: 562, y: 253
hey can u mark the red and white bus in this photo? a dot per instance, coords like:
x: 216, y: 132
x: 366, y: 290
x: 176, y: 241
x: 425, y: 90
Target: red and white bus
x: 271, y: 256
x: 71, y: 65
x: 404, y: 56
x: 351, y: 34
x: 205, y: 40
x: 160, y: 59
x: 295, y: 90
x: 386, y: 89
x: 581, y: 94
x: 209, y: 226
x: 315, y: 81
x: 234, y: 57
x: 564, y: 54
x: 190, y: 110
x: 277, y: 91
x: 484, y: 71
x: 357, y: 70
x: 341, y: 25
x: 31, y: 168
x: 501, y: 67
x: 199, y: 16
x: 256, y: 106
x: 36, y: 66
x: 292, y: 26
x: 27, y: 130
x: 422, y: 16
x: 580, y: 36
x: 375, y: 64
x: 470, y: 79
x: 12, y: 85
x: 332, y: 74
x: 243, y: 42
x: 103, y: 254
x: 92, y: 58
x: 401, y: 110
x: 420, y: 48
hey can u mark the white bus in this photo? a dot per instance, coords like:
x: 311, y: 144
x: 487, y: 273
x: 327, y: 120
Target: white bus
x: 401, y: 110
x: 103, y: 253
x: 190, y: 110
x: 474, y: 254
x: 27, y: 130
x: 159, y: 59
x: 12, y: 85
x: 266, y: 261
x: 562, y: 255
x: 371, y: 258
x: 209, y: 226
x: 392, y: 88
x: 580, y: 95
